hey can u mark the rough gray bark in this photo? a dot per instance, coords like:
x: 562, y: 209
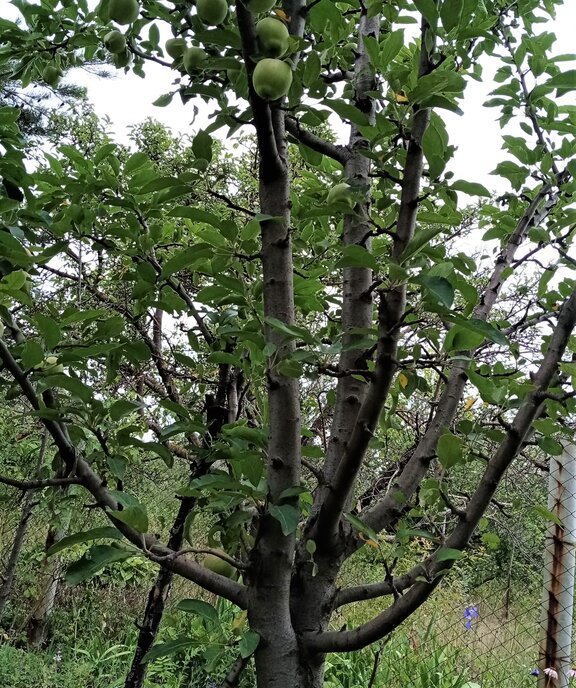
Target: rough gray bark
x: 385, y: 512
x: 434, y: 571
x: 269, y: 575
x: 17, y: 543
x: 39, y: 622
x: 155, y: 604
x: 27, y: 508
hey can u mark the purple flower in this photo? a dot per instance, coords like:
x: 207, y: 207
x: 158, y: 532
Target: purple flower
x: 535, y: 672
x: 470, y: 613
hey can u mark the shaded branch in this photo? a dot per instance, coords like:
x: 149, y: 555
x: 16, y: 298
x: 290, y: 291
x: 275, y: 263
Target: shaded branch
x: 339, y: 153
x: 387, y: 510
x: 233, y: 676
x: 391, y: 311
x: 38, y: 484
x: 508, y: 449
x: 81, y: 470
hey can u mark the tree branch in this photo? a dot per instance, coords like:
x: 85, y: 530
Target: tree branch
x: 508, y: 449
x: 390, y: 316
x: 233, y: 676
x: 270, y: 161
x: 38, y: 484
x: 81, y: 470
x: 339, y: 153
x: 386, y: 511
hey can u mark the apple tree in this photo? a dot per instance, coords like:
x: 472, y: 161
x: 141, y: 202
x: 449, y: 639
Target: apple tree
x: 266, y: 330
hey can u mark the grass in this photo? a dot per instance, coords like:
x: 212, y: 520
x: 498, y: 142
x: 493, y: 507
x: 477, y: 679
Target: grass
x: 94, y: 635
x: 92, y: 647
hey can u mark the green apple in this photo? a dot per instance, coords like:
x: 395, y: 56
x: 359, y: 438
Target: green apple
x: 341, y: 194
x: 212, y: 12
x: 272, y: 78
x: 50, y: 365
x: 193, y: 58
x: 175, y: 47
x: 124, y: 11
x: 51, y: 75
x: 115, y: 42
x: 273, y: 37
x: 217, y: 565
x: 122, y: 59
x: 259, y: 6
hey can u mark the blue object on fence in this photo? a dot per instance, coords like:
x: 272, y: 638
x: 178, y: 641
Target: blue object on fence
x: 470, y: 613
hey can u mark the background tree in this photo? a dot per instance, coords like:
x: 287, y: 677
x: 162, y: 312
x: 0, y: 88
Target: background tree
x: 302, y: 334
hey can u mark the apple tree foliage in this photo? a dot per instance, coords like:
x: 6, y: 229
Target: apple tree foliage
x: 325, y: 322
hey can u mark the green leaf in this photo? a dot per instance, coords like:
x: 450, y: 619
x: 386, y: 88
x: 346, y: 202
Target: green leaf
x: 199, y: 608
x: 94, y: 561
x: 355, y: 256
x: 546, y: 514
x: 49, y: 329
x: 461, y: 338
x: 32, y: 354
x: 163, y: 100
x: 347, y: 111
x: 391, y: 47
x: 450, y: 13
x: 289, y: 368
x: 515, y: 174
x: 195, y: 214
x: 291, y: 331
x: 428, y: 10
x: 134, y: 516
x: 420, y: 241
x: 550, y: 446
x: 361, y: 527
x: 565, y: 81
x: 248, y: 643
x: 481, y: 327
x: 122, y: 408
x: 169, y: 648
x: 134, y: 162
x: 449, y: 450
x: 104, y: 532
x: 286, y: 515
x: 202, y: 145
x: 187, y: 258
x: 491, y: 540
x: 71, y: 384
x: 118, y: 465
x: 440, y: 287
x: 470, y: 188
x: 372, y: 49
x: 449, y: 554
x: 438, y: 83
x: 294, y: 491
x: 158, y: 184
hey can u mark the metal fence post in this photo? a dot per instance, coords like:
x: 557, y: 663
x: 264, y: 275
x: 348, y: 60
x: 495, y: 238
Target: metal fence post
x: 559, y: 560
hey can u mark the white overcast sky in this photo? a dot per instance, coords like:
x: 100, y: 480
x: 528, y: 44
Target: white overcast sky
x: 127, y: 99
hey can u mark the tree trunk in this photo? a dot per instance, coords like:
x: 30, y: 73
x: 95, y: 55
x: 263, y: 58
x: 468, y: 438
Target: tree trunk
x: 50, y: 576
x: 156, y: 603
x: 8, y: 575
x: 18, y: 542
x: 217, y: 414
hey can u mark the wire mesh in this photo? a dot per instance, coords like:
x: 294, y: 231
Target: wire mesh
x: 483, y: 623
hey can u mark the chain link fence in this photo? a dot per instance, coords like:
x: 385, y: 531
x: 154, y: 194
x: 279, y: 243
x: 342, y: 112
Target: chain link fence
x: 491, y: 622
